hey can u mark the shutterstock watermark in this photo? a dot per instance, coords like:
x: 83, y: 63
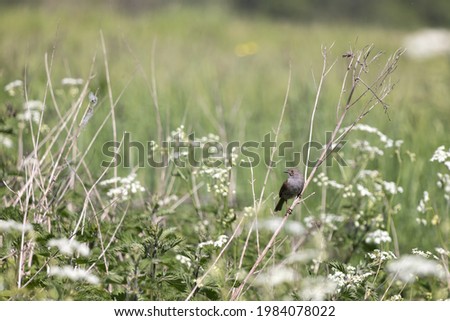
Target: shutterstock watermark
x: 187, y: 150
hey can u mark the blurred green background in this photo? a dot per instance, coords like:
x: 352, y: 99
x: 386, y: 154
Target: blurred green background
x: 222, y: 67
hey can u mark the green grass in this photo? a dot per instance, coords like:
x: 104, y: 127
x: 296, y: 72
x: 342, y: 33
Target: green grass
x: 203, y: 84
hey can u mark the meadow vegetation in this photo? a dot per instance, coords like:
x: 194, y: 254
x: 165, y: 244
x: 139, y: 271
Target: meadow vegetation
x: 73, y: 226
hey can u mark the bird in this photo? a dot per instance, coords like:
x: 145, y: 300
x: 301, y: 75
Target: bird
x: 292, y: 187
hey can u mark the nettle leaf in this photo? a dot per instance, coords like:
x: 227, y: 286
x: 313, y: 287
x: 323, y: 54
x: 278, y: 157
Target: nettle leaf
x: 176, y: 282
x: 212, y: 293
x: 87, y: 292
x: 113, y: 278
x: 338, y: 266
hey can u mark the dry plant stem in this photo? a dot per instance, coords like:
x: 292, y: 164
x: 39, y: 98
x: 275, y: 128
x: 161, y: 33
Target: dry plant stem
x: 88, y: 148
x: 277, y: 132
x: 111, y: 99
x: 359, y: 65
x: 241, y: 260
x: 61, y: 118
x: 22, y: 249
x: 236, y: 294
x: 269, y: 259
x: 55, y: 164
x: 83, y: 217
x: 200, y: 280
x: 154, y: 94
x: 261, y: 195
x: 254, y: 207
x: 111, y: 239
x: 316, y: 103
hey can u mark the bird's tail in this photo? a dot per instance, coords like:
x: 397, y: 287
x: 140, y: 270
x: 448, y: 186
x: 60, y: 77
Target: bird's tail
x: 279, y: 205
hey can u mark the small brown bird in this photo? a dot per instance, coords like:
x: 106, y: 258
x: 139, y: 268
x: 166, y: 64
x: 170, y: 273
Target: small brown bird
x: 292, y: 187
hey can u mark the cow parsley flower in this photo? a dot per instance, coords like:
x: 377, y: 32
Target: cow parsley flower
x: 409, y: 267
x: 75, y: 274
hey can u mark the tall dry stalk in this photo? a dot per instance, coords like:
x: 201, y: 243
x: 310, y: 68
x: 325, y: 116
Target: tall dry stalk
x: 374, y: 93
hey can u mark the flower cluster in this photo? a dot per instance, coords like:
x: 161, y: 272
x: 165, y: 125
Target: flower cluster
x: 221, y: 241
x: 126, y: 186
x: 75, y: 274
x: 329, y: 221
x: 317, y: 288
x: 13, y: 87
x: 6, y: 141
x: 378, y: 256
x: 167, y: 200
x: 69, y: 247
x: 388, y: 142
x: 32, y: 111
x: 272, y: 224
x: 219, y: 179
x: 276, y: 276
x: 409, y: 267
x: 442, y: 156
x: 378, y: 237
x: 11, y: 225
x: 350, y: 280
x: 425, y: 254
x: 249, y: 211
x: 323, y: 180
x: 184, y: 260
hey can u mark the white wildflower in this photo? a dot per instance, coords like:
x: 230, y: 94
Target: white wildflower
x: 218, y: 179
x: 6, y: 141
x: 444, y: 182
x: 352, y: 279
x: 440, y: 154
x: 32, y: 111
x: 378, y: 237
x: 126, y: 186
x: 303, y: 256
x: 423, y: 203
x: 365, y: 146
x: 221, y: 240
x: 379, y: 256
x: 328, y: 220
x: 389, y: 187
x: 364, y: 192
x: 13, y: 86
x: 428, y: 43
x: 207, y: 243
x: 317, y: 289
x: 184, y: 260
x: 442, y: 251
x: 421, y: 221
x: 249, y: 211
x: 348, y: 192
x: 11, y: 225
x: 421, y: 253
x: 167, y: 200
x: 388, y: 142
x: 447, y: 164
x: 72, y: 81
x: 273, y: 223
x: 368, y: 173
x: 323, y: 180
x: 276, y: 276
x: 75, y: 274
x: 69, y: 247
x: 409, y: 267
